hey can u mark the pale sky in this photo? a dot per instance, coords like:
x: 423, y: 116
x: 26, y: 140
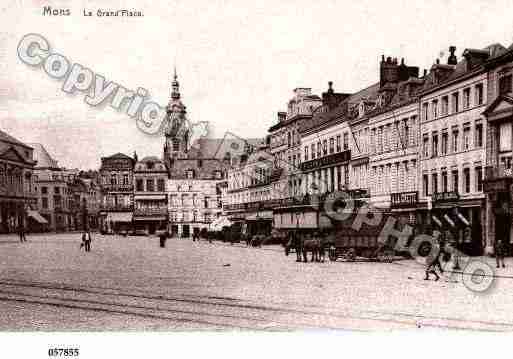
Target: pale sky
x: 237, y: 61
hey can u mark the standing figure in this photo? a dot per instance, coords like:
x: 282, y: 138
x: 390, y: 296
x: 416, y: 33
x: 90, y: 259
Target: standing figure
x: 86, y: 238
x: 21, y: 232
x: 162, y: 238
x: 433, y: 261
x: 500, y: 252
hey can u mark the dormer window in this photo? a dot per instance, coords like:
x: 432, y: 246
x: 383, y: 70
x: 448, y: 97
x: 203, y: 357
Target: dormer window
x: 361, y: 110
x: 190, y: 174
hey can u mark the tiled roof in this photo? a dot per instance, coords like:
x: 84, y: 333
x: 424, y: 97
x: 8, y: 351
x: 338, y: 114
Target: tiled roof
x: 203, y: 168
x: 118, y: 155
x: 43, y: 158
x: 218, y: 147
x: 8, y: 138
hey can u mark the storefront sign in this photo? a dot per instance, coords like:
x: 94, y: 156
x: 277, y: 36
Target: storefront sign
x: 446, y: 196
x: 335, y: 158
x: 501, y: 185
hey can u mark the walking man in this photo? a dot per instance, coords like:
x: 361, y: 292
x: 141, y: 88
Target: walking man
x: 433, y: 259
x: 21, y: 232
x: 86, y: 239
x: 500, y: 252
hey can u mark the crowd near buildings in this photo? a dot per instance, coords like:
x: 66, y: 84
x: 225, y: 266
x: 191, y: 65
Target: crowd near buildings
x: 433, y: 148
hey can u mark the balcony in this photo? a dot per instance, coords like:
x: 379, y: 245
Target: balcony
x: 497, y: 179
x: 116, y: 207
x: 404, y: 199
x: 117, y: 187
x: 149, y: 212
x: 498, y: 172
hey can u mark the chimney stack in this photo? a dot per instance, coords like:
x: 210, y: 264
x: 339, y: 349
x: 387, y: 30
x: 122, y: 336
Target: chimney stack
x: 452, y: 60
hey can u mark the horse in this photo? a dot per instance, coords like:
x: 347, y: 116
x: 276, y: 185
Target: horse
x: 311, y: 245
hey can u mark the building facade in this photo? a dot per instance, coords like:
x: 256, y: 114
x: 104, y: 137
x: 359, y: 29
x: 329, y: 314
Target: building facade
x: 117, y: 187
x: 498, y: 117
x: 17, y: 187
x: 150, y: 195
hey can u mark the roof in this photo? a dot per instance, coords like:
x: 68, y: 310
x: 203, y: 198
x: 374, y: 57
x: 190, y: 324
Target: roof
x: 204, y: 148
x: 203, y: 168
x: 119, y: 155
x: 8, y: 138
x: 43, y: 158
x: 150, y: 159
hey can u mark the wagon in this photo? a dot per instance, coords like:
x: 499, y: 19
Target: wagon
x: 347, y: 243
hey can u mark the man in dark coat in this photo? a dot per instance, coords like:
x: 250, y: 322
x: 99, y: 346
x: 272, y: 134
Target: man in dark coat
x: 433, y: 259
x: 162, y: 238
x: 21, y: 232
x: 500, y: 251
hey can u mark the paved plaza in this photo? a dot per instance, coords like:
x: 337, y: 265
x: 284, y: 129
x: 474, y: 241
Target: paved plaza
x: 129, y: 283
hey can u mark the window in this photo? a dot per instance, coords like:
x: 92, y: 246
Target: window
x: 425, y: 185
x: 479, y: 179
x: 332, y: 145
x: 425, y: 111
x: 444, y: 180
x: 445, y: 105
x: 434, y: 108
x: 288, y: 139
x: 346, y: 141
x: 44, y: 202
x: 435, y: 144
x: 190, y: 173
x: 346, y: 175
x: 466, y: 178
x: 139, y: 186
x: 44, y: 190
x: 434, y: 180
x: 455, y: 181
x: 425, y: 145
x: 312, y: 147
x: 176, y: 145
x: 466, y: 136
x: 380, y: 139
x: 455, y: 139
x: 125, y: 179
x: 56, y: 190
x: 406, y: 132
x: 325, y: 147
x: 149, y: 185
x: 113, y: 180
x: 505, y: 84
x: 505, y: 137
x: 445, y: 142
x: 479, y: 94
x: 338, y: 143
x: 466, y: 98
x: 455, y: 102
x: 319, y: 149
x: 161, y: 185
x: 479, y: 135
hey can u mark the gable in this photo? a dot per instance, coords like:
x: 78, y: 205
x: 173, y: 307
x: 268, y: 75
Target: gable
x: 499, y: 109
x: 11, y: 154
x: 503, y: 105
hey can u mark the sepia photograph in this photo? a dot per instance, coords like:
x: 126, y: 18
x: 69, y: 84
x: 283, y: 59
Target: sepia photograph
x: 226, y: 178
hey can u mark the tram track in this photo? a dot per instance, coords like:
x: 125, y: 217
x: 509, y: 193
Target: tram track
x: 219, y: 312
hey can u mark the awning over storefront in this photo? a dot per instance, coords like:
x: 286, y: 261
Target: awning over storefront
x: 119, y: 217
x: 37, y: 217
x: 449, y: 220
x: 437, y: 221
x: 149, y: 218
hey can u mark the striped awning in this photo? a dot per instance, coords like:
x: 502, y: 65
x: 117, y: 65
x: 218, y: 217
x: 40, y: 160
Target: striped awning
x: 37, y: 217
x: 119, y: 217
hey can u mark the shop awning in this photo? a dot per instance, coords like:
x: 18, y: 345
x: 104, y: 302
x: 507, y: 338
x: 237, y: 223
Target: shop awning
x: 37, y: 217
x: 437, y: 221
x: 463, y: 219
x: 449, y: 220
x: 119, y: 217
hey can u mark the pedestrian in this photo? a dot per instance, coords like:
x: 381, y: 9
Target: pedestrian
x: 86, y: 239
x: 21, y: 232
x: 500, y: 252
x: 433, y: 259
x: 162, y: 238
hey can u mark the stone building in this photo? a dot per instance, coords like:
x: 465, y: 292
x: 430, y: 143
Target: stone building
x: 452, y: 146
x: 17, y: 188
x: 498, y: 119
x: 117, y: 187
x: 393, y: 123
x: 54, y: 199
x: 150, y: 196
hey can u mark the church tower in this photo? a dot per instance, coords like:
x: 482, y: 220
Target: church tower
x: 176, y: 125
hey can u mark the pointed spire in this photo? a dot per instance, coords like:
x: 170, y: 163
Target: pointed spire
x: 175, y: 92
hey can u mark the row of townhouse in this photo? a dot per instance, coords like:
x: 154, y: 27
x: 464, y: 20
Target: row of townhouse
x: 433, y: 149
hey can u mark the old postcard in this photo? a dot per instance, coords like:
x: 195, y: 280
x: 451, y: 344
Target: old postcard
x: 203, y: 170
